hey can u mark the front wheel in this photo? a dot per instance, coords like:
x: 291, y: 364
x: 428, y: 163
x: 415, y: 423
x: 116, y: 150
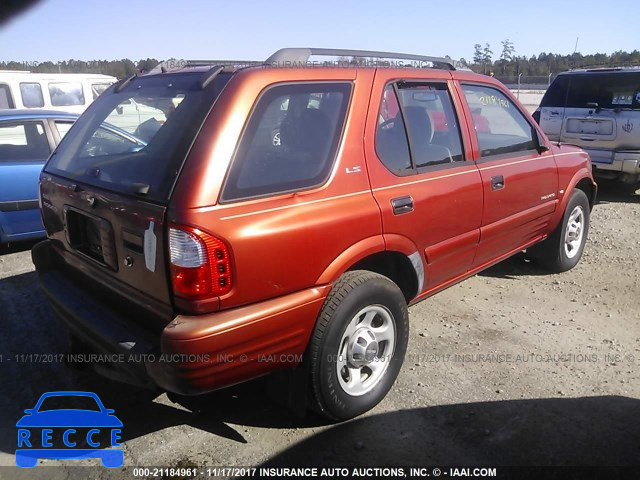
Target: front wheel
x: 358, y: 345
x: 563, y: 249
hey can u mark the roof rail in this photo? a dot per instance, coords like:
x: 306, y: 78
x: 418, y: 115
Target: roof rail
x: 177, y: 64
x: 301, y: 55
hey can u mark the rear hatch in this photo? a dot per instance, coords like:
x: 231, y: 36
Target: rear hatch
x: 106, y: 188
x: 596, y: 110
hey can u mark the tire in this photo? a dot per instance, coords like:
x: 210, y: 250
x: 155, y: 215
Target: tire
x: 563, y: 249
x: 358, y: 345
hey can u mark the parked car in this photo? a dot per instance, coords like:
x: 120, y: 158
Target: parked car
x: 69, y: 92
x: 27, y: 138
x: 598, y: 110
x: 285, y: 218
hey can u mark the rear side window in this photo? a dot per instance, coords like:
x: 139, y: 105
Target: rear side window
x: 6, y: 101
x: 500, y: 127
x: 65, y: 94
x: 31, y: 95
x: 290, y: 141
x: 583, y: 90
x: 23, y: 141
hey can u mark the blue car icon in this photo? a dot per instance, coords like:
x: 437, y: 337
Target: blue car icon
x: 88, y: 422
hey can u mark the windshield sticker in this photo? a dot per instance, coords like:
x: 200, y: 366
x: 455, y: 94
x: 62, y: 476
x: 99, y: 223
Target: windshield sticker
x: 622, y: 98
x: 494, y: 100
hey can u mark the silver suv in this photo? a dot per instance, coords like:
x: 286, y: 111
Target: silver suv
x: 598, y: 110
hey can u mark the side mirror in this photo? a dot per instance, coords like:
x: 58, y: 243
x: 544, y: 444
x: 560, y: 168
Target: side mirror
x: 119, y: 109
x: 29, y: 411
x: 541, y: 146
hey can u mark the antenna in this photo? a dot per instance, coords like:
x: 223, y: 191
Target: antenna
x: 575, y: 49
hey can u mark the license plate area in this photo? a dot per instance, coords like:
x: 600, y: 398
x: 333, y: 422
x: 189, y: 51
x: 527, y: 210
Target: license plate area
x: 590, y: 127
x: 91, y: 236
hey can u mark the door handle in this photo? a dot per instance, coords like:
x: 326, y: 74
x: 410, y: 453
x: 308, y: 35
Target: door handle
x: 497, y: 182
x: 402, y: 205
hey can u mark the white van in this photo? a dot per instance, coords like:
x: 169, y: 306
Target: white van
x: 68, y: 92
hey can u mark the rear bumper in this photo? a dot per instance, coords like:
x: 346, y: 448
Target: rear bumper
x: 621, y: 162
x: 192, y: 354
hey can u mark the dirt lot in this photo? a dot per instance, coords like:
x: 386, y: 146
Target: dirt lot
x: 512, y: 367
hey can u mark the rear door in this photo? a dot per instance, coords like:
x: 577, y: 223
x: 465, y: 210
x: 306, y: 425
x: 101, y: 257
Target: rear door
x: 519, y: 183
x: 24, y: 147
x: 105, y: 192
x: 428, y: 190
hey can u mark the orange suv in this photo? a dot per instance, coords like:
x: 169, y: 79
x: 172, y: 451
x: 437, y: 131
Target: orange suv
x: 285, y: 214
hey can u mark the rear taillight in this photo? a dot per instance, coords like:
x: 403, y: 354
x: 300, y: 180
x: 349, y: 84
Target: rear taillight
x: 200, y: 264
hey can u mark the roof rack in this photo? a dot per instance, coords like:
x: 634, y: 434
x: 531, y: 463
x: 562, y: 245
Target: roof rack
x: 301, y: 56
x: 178, y: 64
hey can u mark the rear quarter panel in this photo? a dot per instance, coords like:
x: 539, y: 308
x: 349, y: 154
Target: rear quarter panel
x: 283, y: 243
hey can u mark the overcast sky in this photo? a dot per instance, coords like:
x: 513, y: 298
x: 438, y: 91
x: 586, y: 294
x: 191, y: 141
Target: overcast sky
x: 249, y: 30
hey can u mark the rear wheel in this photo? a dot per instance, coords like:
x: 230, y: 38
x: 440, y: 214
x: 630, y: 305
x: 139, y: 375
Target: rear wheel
x: 358, y: 345
x: 563, y: 249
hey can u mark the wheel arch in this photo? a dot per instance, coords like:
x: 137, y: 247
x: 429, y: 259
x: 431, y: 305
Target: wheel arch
x: 582, y: 180
x: 394, y: 256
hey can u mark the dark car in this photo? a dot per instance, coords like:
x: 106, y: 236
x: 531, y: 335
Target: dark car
x: 285, y: 215
x: 27, y: 138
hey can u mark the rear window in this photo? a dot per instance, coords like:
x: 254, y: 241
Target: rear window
x: 608, y: 90
x: 135, y: 141
x: 290, y: 141
x: 31, y: 95
x: 66, y: 94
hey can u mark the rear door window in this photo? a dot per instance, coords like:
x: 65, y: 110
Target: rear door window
x: 63, y: 127
x: 31, y: 95
x: 23, y: 141
x: 66, y: 94
x: 290, y: 141
x: 500, y: 127
x: 417, y: 127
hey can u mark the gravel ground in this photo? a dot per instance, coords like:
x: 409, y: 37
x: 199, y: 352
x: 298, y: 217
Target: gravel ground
x: 511, y: 367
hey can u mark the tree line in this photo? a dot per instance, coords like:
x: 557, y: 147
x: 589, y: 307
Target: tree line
x: 506, y: 64
x: 116, y: 68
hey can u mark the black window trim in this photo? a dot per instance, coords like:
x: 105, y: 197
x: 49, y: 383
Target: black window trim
x: 12, y: 103
x: 330, y: 171
x: 499, y: 156
x: 427, y: 168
